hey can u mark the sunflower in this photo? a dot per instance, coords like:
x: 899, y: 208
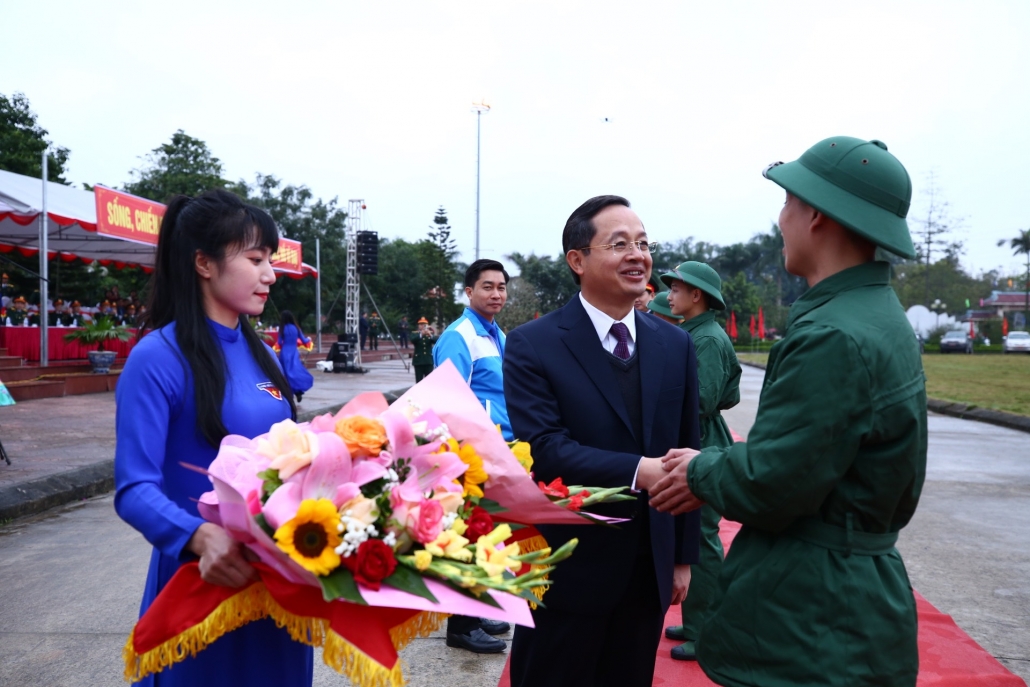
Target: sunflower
x: 311, y: 537
x: 474, y: 474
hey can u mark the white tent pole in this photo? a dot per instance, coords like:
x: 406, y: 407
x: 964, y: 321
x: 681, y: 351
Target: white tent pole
x: 318, y: 296
x: 44, y: 316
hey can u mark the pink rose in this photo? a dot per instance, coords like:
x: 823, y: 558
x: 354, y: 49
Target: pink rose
x: 424, y: 521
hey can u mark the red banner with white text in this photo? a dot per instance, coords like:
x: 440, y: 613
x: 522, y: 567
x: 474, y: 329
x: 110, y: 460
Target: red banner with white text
x: 126, y: 216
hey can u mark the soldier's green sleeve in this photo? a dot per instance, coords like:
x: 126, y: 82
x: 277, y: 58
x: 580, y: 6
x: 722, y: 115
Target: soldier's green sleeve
x: 713, y: 372
x: 814, y: 409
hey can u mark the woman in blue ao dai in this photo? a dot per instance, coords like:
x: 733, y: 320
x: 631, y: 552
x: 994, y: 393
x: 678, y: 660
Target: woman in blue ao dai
x: 296, y: 374
x: 199, y: 374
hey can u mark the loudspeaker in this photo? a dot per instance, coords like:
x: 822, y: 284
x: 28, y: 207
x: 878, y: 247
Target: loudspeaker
x: 342, y: 356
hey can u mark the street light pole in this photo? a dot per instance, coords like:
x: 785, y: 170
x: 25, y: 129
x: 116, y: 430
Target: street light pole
x: 479, y: 108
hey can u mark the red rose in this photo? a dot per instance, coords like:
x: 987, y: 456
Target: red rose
x: 371, y: 563
x: 555, y: 488
x: 479, y: 524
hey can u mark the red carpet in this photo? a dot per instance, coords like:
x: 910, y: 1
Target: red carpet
x: 948, y: 657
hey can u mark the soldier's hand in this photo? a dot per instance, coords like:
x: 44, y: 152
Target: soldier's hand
x: 677, y: 457
x: 671, y: 494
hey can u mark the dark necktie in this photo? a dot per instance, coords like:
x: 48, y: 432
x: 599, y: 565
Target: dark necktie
x: 621, y: 332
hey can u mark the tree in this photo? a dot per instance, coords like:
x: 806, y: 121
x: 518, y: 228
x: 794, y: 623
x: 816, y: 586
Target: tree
x: 1021, y: 244
x: 183, y: 165
x: 741, y: 297
x: 302, y: 217
x: 22, y: 142
x: 522, y: 305
x: 672, y: 254
x: 933, y: 231
x: 551, y: 279
x: 950, y: 284
x: 438, y: 256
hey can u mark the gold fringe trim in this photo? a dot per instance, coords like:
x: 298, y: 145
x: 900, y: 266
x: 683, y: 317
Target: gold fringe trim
x: 255, y: 603
x: 535, y: 543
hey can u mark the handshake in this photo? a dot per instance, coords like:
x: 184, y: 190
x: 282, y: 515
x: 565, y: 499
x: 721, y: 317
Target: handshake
x: 665, y: 479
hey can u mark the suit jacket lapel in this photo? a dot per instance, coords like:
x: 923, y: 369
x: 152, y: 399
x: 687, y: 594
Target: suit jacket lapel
x: 651, y: 349
x: 581, y: 339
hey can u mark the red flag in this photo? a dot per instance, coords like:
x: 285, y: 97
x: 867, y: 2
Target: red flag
x: 972, y: 334
x: 761, y: 324
x: 1004, y: 327
x: 733, y: 325
x: 751, y: 326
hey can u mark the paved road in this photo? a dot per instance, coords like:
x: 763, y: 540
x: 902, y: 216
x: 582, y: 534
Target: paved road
x: 71, y: 579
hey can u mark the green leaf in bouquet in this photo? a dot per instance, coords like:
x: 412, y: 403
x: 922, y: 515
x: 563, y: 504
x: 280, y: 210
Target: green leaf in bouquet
x: 340, y: 584
x: 532, y: 598
x: 271, y: 483
x: 263, y: 524
x: 491, y: 506
x: 407, y: 580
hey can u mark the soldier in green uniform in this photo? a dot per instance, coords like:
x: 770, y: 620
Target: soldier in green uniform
x: 373, y: 332
x: 17, y: 315
x: 695, y: 293
x: 813, y: 591
x: 659, y: 307
x: 423, y: 341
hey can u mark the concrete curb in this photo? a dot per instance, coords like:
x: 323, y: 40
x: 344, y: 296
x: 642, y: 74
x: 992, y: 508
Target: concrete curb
x: 36, y: 496
x: 1020, y: 423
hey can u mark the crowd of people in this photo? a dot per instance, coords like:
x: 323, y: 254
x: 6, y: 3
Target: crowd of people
x: 623, y: 386
x: 17, y: 311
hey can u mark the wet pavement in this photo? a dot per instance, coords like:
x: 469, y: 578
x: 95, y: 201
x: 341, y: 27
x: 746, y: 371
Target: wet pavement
x: 73, y: 576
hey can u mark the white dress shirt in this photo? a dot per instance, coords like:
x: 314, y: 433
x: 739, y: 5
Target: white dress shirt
x: 603, y: 326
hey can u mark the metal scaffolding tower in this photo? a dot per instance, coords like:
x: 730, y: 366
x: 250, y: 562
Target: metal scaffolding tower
x: 353, y: 309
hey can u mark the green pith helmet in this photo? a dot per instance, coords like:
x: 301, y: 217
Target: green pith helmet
x: 660, y: 305
x: 657, y: 284
x: 700, y: 276
x: 856, y: 182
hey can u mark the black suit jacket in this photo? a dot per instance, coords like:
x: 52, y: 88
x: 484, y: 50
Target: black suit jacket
x: 563, y: 398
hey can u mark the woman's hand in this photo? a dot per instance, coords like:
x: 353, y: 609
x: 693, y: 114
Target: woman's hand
x: 223, y: 560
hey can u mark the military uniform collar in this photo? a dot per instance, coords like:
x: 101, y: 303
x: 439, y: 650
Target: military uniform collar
x: 868, y: 274
x: 695, y: 322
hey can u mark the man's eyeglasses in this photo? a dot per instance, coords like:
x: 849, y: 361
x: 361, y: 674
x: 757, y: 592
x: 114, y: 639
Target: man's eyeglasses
x: 622, y: 246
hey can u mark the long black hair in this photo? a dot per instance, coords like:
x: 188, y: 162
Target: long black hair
x: 286, y: 317
x: 213, y: 223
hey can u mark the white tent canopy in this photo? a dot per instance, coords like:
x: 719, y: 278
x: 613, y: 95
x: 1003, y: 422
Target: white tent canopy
x: 71, y: 225
x: 71, y: 222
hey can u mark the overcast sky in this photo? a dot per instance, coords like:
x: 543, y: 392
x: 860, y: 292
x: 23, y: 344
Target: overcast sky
x: 677, y: 106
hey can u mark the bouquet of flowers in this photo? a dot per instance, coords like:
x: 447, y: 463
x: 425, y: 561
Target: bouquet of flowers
x: 370, y: 526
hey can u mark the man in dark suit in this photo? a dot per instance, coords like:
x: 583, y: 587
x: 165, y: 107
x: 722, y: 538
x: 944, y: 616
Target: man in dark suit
x: 596, y: 388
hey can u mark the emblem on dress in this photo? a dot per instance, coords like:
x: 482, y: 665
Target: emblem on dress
x: 272, y: 389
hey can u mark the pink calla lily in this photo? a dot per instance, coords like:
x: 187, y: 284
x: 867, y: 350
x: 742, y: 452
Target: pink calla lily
x: 331, y: 475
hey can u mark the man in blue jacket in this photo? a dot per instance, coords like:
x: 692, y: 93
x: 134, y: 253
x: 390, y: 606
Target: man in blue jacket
x: 475, y: 344
x: 600, y: 391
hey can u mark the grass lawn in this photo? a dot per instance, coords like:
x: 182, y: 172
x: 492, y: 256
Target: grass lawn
x: 1001, y: 382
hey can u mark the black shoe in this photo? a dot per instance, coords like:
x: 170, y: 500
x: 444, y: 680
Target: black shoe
x: 675, y: 632
x: 685, y: 652
x: 494, y: 627
x: 477, y: 642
